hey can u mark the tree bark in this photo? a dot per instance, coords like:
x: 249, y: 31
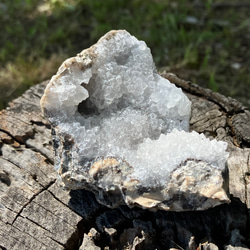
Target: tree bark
x: 36, y: 213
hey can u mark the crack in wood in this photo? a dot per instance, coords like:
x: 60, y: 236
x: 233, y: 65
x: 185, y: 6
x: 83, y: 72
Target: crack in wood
x: 12, y: 162
x: 37, y: 150
x: 233, y: 133
x: 40, y: 226
x: 31, y: 199
x: 30, y: 234
x: 41, y: 124
x: 9, y: 134
x: 4, y: 178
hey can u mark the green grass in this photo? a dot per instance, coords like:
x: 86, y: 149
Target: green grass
x: 202, y: 44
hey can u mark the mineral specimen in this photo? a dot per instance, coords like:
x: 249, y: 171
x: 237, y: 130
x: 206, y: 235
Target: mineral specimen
x: 121, y: 131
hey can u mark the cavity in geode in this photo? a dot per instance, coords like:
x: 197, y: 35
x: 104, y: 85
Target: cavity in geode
x: 121, y: 131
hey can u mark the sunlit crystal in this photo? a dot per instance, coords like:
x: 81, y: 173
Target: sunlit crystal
x: 122, y: 128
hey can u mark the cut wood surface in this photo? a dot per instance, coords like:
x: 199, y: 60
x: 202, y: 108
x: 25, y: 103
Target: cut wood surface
x: 36, y: 213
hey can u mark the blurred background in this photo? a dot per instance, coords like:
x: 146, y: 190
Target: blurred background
x: 206, y: 42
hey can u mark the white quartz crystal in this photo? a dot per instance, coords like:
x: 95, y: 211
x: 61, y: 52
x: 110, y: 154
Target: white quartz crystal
x: 109, y: 102
x: 155, y: 157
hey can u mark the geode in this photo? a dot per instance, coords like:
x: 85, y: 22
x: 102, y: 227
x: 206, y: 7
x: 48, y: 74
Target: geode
x: 121, y: 131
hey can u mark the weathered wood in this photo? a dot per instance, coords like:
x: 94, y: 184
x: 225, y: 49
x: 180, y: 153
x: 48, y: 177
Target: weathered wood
x: 36, y: 213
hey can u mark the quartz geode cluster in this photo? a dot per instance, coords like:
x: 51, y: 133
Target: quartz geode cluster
x: 121, y: 131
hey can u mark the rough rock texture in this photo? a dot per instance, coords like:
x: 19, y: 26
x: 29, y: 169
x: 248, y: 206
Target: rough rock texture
x: 36, y: 213
x: 120, y: 131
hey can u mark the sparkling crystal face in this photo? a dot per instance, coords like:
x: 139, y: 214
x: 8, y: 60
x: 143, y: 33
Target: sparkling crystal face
x: 109, y: 103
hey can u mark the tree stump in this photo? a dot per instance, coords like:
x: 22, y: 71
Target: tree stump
x: 36, y: 213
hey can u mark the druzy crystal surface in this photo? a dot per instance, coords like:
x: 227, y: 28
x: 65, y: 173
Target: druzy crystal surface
x: 121, y: 131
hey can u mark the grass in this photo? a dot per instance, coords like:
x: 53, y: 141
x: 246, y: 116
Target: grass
x: 200, y: 41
